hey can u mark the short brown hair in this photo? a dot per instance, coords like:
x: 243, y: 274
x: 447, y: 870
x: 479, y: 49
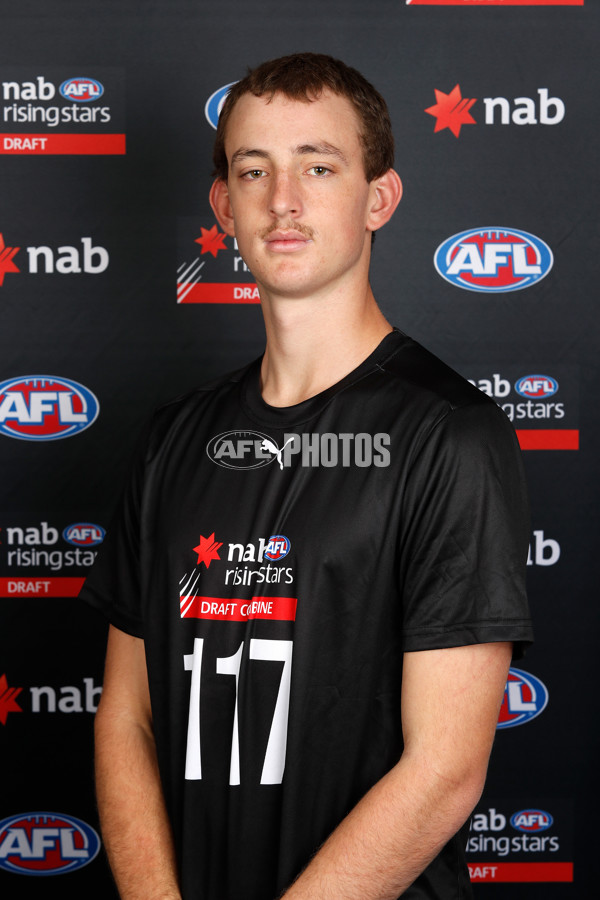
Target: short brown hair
x: 304, y: 76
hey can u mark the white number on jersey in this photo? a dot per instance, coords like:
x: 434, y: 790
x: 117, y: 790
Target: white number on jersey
x: 274, y: 762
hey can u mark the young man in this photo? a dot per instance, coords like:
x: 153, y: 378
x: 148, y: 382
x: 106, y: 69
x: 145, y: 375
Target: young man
x: 318, y: 573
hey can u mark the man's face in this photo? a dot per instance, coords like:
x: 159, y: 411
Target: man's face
x: 297, y: 194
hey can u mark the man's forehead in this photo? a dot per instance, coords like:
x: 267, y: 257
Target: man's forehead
x: 327, y: 118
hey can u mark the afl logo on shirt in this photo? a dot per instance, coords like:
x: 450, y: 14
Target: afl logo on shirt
x: 278, y: 547
x: 243, y: 450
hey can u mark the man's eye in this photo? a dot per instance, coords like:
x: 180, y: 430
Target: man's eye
x: 319, y: 170
x: 253, y: 174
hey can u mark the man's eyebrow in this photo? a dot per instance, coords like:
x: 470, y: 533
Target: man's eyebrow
x: 248, y: 153
x: 323, y: 148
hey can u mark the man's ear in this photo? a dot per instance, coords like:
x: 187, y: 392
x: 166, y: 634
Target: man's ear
x: 387, y: 192
x: 219, y: 200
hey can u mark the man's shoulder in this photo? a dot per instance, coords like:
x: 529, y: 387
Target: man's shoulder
x: 186, y: 409
x: 423, y: 373
x: 436, y: 406
x: 215, y: 385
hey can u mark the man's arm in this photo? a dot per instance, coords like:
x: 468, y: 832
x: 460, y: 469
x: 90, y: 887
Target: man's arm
x: 450, y: 704
x: 134, y: 822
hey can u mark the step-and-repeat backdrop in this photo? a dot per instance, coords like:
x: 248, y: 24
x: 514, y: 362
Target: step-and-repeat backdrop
x: 118, y: 291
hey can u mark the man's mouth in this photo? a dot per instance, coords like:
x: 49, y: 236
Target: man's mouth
x: 287, y: 239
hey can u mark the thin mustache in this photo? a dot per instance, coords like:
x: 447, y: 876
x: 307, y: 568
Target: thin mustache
x: 305, y: 230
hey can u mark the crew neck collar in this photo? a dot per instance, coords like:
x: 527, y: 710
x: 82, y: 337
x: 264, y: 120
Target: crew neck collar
x: 288, y: 416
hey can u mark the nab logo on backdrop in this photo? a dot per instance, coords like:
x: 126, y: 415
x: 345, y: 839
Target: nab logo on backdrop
x: 45, y: 408
x: 493, y: 259
x: 452, y: 110
x: 55, y: 112
x: 211, y: 269
x: 46, y: 843
x: 525, y: 697
x: 44, y: 260
x: 67, y: 699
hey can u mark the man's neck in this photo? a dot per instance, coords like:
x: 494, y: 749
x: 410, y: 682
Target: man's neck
x: 311, y: 347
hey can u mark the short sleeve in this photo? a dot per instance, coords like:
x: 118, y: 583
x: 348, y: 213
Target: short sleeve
x: 114, y: 586
x: 464, y: 535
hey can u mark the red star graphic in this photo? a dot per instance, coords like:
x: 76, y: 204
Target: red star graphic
x: 6, y: 256
x: 8, y: 702
x: 207, y: 550
x: 451, y: 111
x: 211, y: 241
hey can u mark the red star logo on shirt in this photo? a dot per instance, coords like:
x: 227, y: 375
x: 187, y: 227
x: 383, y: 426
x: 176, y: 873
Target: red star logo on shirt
x: 211, y: 241
x: 207, y: 549
x: 8, y: 702
x: 6, y: 257
x: 451, y: 111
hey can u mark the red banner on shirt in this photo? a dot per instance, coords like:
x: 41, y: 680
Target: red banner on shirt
x: 232, y: 609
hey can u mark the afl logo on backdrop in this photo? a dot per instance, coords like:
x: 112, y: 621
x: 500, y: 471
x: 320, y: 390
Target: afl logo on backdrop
x: 493, y: 260
x: 531, y: 820
x: 84, y: 534
x: 536, y: 386
x: 45, y: 408
x: 46, y: 844
x: 214, y: 104
x: 525, y: 697
x: 82, y: 90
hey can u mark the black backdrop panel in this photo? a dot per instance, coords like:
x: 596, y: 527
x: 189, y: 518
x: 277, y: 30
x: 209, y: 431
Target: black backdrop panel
x: 118, y: 292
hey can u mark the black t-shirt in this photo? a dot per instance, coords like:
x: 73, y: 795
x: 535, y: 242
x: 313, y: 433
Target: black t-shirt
x: 277, y: 563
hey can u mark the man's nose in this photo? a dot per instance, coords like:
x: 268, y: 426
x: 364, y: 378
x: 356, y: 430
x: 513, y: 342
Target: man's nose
x: 285, y: 196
